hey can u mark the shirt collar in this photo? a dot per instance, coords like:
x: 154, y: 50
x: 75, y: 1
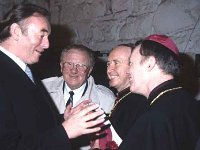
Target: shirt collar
x: 76, y: 91
x: 16, y: 59
x: 123, y: 92
x: 162, y: 87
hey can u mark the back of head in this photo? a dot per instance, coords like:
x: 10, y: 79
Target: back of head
x: 17, y: 15
x: 165, y: 52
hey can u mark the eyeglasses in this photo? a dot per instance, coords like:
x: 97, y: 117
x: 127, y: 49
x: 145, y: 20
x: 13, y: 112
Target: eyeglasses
x: 79, y: 67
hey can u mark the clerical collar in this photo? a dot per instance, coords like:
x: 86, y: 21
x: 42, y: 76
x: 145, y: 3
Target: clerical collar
x: 162, y: 87
x: 123, y: 92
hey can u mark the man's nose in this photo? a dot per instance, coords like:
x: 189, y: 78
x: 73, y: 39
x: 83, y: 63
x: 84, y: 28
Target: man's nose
x: 74, y: 68
x: 45, y: 43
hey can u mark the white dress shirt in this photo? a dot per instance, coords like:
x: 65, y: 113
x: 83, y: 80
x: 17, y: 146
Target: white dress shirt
x: 77, y: 93
x: 16, y: 59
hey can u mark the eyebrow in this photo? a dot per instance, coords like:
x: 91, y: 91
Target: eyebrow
x: 45, y: 30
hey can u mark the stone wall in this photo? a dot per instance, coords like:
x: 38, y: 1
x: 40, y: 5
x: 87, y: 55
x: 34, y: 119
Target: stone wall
x: 102, y: 24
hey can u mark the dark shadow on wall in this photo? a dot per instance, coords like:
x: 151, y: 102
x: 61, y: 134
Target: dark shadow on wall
x: 48, y: 66
x: 189, y: 78
x: 99, y: 72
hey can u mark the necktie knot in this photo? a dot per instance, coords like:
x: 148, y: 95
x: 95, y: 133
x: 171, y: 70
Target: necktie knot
x: 71, y: 93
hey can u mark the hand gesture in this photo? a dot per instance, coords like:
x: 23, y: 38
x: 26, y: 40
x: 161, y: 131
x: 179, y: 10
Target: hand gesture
x: 82, y: 119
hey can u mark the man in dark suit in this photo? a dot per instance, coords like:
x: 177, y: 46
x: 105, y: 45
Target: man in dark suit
x: 28, y: 117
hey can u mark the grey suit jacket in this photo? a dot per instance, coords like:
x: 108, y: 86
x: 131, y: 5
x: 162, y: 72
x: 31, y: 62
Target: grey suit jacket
x: 97, y: 93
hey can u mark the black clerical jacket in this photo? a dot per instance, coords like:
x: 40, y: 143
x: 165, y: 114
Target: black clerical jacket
x: 127, y: 111
x: 172, y: 123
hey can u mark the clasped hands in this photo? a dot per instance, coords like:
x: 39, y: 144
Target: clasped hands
x: 82, y: 119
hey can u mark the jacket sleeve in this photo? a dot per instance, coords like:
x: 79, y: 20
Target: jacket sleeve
x: 13, y: 138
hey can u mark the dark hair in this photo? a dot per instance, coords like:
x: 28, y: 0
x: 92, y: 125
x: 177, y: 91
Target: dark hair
x: 80, y: 47
x: 165, y: 58
x: 18, y: 14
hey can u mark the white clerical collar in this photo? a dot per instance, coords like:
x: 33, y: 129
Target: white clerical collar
x: 16, y: 59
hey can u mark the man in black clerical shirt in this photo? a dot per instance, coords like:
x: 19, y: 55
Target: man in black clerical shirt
x: 172, y: 122
x: 128, y: 106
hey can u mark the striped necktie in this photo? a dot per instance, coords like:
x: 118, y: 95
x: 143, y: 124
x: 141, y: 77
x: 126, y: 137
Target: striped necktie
x: 70, y: 100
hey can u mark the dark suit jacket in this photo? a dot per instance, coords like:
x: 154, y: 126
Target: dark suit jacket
x: 28, y: 117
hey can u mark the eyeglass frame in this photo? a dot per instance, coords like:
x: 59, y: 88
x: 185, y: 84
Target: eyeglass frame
x: 79, y: 66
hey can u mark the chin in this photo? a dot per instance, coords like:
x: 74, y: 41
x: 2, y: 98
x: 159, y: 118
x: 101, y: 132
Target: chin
x: 112, y: 84
x: 35, y: 60
x: 30, y: 62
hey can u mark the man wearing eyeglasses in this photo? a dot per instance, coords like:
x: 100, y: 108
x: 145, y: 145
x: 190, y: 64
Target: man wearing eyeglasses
x: 76, y: 64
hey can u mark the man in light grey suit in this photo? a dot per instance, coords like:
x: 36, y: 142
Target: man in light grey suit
x: 76, y: 64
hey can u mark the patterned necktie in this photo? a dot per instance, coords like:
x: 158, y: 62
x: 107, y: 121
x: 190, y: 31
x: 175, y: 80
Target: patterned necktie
x: 29, y: 73
x: 70, y: 100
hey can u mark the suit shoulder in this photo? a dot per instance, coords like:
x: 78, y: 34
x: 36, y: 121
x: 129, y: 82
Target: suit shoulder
x: 105, y: 91
x: 52, y: 81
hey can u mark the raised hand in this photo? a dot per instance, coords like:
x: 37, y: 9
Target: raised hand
x: 82, y: 119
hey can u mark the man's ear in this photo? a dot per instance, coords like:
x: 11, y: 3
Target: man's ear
x: 61, y: 67
x: 15, y: 31
x: 151, y: 62
x: 90, y: 71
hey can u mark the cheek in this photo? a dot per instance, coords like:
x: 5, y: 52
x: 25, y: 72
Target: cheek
x: 83, y: 76
x: 120, y: 70
x: 131, y: 70
x: 65, y: 72
x: 35, y: 42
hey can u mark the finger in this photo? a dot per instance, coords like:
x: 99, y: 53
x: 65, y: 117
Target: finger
x: 93, y: 115
x: 89, y: 108
x: 81, y: 106
x: 68, y: 109
x: 92, y: 126
x: 84, y: 103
